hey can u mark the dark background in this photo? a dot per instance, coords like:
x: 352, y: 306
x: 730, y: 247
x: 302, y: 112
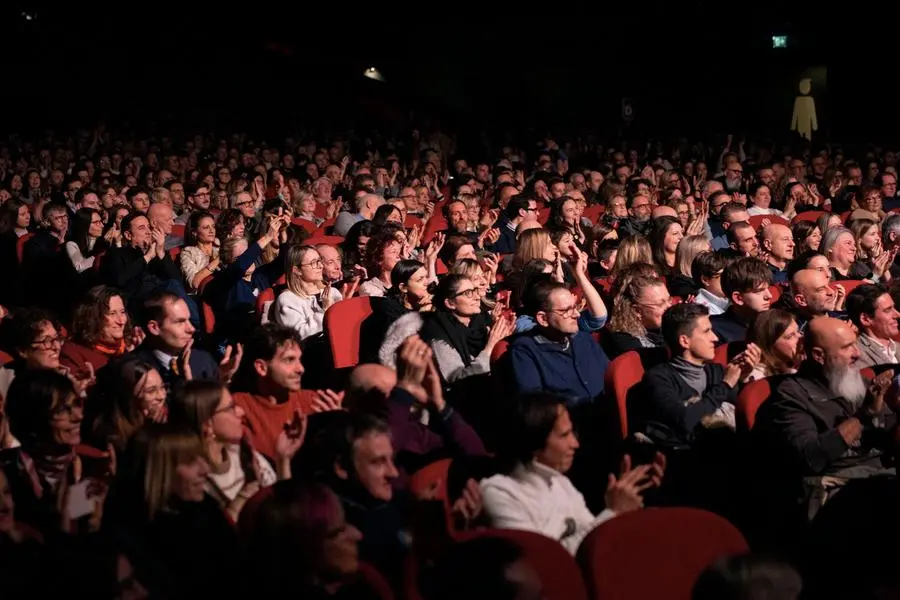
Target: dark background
x: 696, y: 66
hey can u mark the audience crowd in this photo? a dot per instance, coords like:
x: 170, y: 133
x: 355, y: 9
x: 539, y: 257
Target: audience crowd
x: 345, y: 367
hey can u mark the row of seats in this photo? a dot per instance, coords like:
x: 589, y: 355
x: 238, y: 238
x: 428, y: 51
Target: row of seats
x: 653, y: 553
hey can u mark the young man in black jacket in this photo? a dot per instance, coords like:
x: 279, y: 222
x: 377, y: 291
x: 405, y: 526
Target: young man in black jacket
x: 690, y: 391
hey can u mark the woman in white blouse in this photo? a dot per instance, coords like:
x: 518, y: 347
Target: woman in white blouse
x: 535, y: 494
x: 83, y: 246
x: 200, y: 255
x: 236, y: 470
x: 303, y: 304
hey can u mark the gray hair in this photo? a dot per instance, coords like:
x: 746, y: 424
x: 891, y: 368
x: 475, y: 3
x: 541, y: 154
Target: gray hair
x: 830, y: 238
x: 235, y: 198
x: 891, y: 224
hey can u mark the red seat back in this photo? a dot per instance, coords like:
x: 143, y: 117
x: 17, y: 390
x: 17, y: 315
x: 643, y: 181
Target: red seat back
x: 655, y: 553
x: 342, y: 324
x: 206, y: 311
x: 178, y: 230
x: 556, y: 568
x: 331, y: 240
x: 750, y: 398
x: 306, y: 224
x: 594, y: 212
x: 267, y: 295
x: 756, y: 220
x: 809, y: 215
x: 20, y: 246
x: 622, y: 373
x: 850, y: 284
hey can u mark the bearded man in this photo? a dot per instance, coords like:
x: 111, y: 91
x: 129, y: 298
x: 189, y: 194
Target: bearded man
x: 826, y: 420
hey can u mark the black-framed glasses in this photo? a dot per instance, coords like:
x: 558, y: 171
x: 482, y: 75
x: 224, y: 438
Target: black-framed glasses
x: 469, y: 293
x: 316, y: 264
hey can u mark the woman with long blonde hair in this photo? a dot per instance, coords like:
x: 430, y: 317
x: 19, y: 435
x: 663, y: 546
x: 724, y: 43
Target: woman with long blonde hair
x: 303, y: 304
x: 682, y: 283
x: 632, y: 250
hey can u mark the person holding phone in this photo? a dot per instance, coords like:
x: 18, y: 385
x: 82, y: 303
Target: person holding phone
x: 237, y: 471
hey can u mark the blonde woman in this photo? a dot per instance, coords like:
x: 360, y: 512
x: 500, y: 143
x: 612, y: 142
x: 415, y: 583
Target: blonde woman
x: 632, y: 250
x: 472, y: 269
x: 681, y: 283
x: 534, y: 244
x: 303, y: 304
x: 305, y: 207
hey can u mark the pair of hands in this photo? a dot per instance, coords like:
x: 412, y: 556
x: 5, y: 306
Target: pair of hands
x: 228, y: 366
x: 625, y: 493
x: 417, y: 373
x: 466, y: 508
x: 742, y: 365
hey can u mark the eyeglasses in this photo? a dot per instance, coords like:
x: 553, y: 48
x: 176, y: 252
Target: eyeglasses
x: 571, y: 310
x: 469, y: 293
x: 47, y: 343
x: 316, y: 264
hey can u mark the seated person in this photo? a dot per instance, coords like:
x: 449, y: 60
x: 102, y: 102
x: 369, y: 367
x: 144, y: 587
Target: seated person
x: 689, y: 390
x: 461, y: 336
x: 778, y: 243
x: 267, y: 387
x: 825, y: 420
x: 730, y: 214
x: 534, y: 494
x: 555, y: 355
x: 742, y: 239
x: 354, y: 455
x: 778, y: 336
x: 746, y: 284
x: 812, y: 295
x: 706, y: 270
x: 407, y: 398
x: 872, y: 310
x: 637, y: 315
x: 167, y: 347
x: 592, y: 318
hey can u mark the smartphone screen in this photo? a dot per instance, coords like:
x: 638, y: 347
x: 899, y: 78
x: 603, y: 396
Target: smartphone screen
x: 79, y: 503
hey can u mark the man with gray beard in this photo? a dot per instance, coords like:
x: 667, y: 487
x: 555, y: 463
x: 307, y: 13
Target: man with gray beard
x: 826, y: 420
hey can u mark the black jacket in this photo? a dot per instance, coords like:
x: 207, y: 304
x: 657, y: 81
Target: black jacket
x: 670, y: 411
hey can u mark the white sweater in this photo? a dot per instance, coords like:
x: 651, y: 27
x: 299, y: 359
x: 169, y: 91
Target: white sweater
x: 543, y: 500
x: 303, y: 314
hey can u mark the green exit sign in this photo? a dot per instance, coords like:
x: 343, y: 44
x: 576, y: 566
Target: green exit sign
x: 779, y: 41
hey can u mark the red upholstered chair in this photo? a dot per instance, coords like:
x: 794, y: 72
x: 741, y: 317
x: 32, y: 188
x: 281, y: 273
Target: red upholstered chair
x: 206, y: 312
x: 319, y: 238
x: 20, y: 246
x: 556, y: 568
x: 756, y: 221
x: 849, y: 284
x: 342, y: 324
x: 655, y: 553
x: 726, y: 352
x: 809, y: 215
x: 750, y: 398
x: 626, y: 371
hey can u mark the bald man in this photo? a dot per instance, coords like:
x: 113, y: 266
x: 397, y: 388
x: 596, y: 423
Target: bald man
x: 664, y: 211
x: 403, y: 400
x: 812, y: 295
x: 778, y: 243
x: 825, y: 420
x: 163, y: 218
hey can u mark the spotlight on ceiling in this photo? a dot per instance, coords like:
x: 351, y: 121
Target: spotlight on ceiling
x: 373, y: 73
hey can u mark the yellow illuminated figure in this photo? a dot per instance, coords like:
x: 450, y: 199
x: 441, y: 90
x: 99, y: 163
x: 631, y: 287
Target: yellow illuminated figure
x: 804, y: 120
